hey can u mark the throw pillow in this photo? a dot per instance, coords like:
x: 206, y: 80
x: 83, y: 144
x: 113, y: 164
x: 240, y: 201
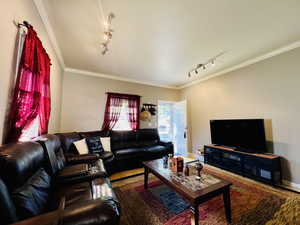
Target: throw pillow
x: 94, y: 145
x: 81, y: 147
x: 106, y: 143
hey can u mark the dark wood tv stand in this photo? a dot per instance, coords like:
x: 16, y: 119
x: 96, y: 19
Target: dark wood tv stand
x: 261, y: 167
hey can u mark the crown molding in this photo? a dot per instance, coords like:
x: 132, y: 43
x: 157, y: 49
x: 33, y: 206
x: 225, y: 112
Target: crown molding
x: 113, y: 77
x: 245, y: 64
x: 45, y: 18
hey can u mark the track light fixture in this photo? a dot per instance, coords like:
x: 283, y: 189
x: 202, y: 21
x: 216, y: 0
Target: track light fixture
x: 108, y: 31
x: 204, y: 66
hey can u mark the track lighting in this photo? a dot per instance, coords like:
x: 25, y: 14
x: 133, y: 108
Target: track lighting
x: 108, y: 31
x: 204, y: 66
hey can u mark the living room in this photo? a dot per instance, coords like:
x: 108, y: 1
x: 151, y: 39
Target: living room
x: 135, y: 87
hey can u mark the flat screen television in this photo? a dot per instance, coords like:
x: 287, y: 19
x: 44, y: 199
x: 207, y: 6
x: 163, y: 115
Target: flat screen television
x: 246, y: 135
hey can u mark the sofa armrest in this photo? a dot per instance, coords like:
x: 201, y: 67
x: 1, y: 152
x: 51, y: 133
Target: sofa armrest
x: 81, y: 173
x: 78, y: 159
x: 80, y: 178
x: 95, y: 212
x: 168, y: 145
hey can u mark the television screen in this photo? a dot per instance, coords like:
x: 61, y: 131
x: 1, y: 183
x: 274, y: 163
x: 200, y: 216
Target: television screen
x: 244, y: 134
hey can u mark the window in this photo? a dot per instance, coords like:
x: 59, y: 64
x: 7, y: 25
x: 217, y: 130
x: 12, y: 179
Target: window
x: 123, y: 121
x: 121, y: 112
x: 31, y: 132
x: 31, y: 103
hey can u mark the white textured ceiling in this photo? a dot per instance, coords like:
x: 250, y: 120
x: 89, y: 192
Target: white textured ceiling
x: 159, y: 41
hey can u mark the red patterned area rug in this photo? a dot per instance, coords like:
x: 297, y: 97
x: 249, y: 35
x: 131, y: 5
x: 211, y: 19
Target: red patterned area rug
x: 252, y: 203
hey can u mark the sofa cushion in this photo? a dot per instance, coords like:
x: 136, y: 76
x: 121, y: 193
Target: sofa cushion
x: 32, y: 198
x: 73, y: 194
x: 123, y: 139
x: 67, y: 140
x: 55, y: 159
x: 94, y: 145
x: 156, y: 149
x: 147, y: 137
x: 19, y: 161
x: 8, y: 212
x: 155, y: 152
x: 130, y: 153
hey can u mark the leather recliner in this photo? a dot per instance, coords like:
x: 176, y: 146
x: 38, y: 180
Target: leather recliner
x: 70, y: 152
x: 27, y: 191
x: 67, y: 140
x: 57, y: 166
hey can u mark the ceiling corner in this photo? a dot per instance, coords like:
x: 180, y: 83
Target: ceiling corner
x: 51, y: 35
x: 246, y: 63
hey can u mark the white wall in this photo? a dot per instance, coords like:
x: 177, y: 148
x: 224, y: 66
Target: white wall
x: 84, y: 100
x: 24, y: 10
x: 269, y: 89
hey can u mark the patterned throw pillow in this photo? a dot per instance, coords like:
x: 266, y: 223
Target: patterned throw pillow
x: 94, y: 145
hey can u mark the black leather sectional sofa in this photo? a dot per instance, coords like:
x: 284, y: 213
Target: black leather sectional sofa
x: 46, y: 182
x: 128, y: 148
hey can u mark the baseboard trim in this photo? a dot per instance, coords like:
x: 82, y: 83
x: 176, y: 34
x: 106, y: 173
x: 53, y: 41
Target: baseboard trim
x: 290, y: 186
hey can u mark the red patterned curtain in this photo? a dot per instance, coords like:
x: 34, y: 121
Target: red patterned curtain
x: 134, y: 112
x: 113, y: 110
x: 32, y: 91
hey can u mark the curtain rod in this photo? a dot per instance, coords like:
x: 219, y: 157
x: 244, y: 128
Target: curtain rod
x: 115, y: 93
x: 25, y: 24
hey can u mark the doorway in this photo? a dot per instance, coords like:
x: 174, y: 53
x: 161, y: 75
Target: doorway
x: 172, y: 125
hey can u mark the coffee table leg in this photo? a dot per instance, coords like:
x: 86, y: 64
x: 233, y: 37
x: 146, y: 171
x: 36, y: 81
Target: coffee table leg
x: 195, y: 215
x: 226, y: 198
x: 146, y: 173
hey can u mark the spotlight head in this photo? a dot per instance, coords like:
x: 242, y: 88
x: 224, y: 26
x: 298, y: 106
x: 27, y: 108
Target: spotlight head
x: 196, y: 71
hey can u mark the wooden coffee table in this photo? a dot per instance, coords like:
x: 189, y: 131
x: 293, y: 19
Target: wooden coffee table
x: 195, y: 198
